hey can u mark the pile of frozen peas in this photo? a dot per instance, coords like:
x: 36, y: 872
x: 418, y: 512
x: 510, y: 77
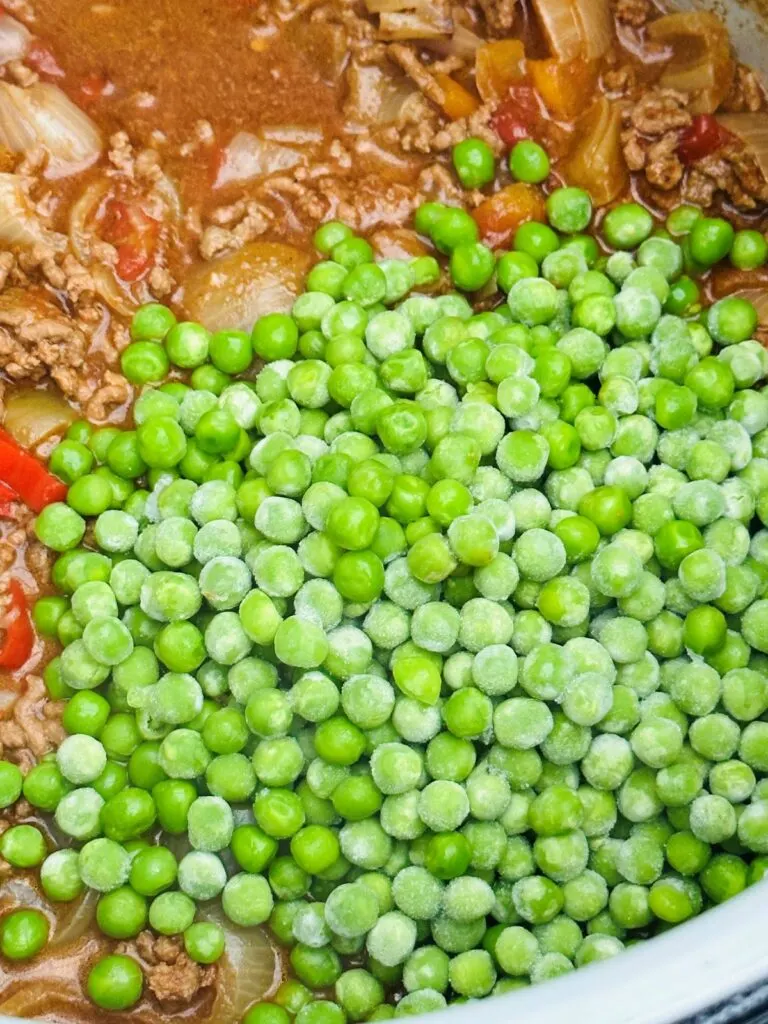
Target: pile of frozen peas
x: 442, y: 640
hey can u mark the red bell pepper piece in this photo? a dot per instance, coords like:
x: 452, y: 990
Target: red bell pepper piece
x: 703, y: 136
x: 19, y: 634
x: 22, y: 473
x: 516, y: 117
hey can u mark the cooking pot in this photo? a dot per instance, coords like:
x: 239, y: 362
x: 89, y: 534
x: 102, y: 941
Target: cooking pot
x: 714, y: 969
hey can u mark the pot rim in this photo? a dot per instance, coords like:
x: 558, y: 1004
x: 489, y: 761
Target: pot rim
x: 714, y: 962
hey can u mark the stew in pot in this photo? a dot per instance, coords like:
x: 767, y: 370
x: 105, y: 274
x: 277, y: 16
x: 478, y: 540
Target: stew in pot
x: 382, y: 498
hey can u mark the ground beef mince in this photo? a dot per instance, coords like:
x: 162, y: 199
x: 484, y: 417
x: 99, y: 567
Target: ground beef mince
x: 173, y: 978
x: 34, y: 728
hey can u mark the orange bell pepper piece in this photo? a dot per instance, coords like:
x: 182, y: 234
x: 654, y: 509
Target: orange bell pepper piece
x: 498, y: 66
x: 499, y: 217
x: 457, y: 101
x: 563, y: 85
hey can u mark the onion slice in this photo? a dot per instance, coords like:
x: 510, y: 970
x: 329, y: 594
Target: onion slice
x: 576, y: 28
x: 701, y: 63
x: 80, y: 215
x: 752, y: 130
x: 234, y: 291
x: 376, y: 96
x: 411, y: 19
x: 462, y: 42
x: 248, y: 157
x: 106, y: 285
x: 596, y: 26
x: 74, y: 920
x: 249, y: 971
x: 19, y: 224
x: 42, y: 116
x: 31, y: 416
x: 169, y: 193
x: 597, y: 161
x: 14, y: 39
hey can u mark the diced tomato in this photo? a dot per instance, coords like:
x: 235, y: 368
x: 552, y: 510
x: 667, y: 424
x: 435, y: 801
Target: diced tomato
x: 703, y: 136
x: 8, y: 501
x: 43, y: 61
x: 134, y: 233
x: 516, y: 117
x: 19, y: 634
x: 132, y: 262
x: 94, y: 86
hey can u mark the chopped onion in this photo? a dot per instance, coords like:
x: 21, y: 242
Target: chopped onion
x: 596, y: 26
x: 292, y: 134
x: 248, y: 157
x: 19, y: 224
x: 323, y: 46
x: 42, y: 116
x: 31, y: 416
x: 462, y: 42
x: 82, y: 212
x: 20, y: 892
x: 752, y: 129
x: 597, y: 162
x: 14, y: 39
x: 74, y: 919
x: 48, y: 995
x: 701, y: 63
x: 234, y: 291
x: 248, y: 972
x: 561, y: 27
x: 414, y: 25
x: 392, y: 243
x: 107, y: 287
x: 375, y: 96
x: 166, y: 189
x: 411, y: 19
x: 576, y: 28
x: 393, y: 6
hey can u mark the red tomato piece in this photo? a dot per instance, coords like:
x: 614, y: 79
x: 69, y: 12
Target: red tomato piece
x: 703, y: 136
x: 94, y: 86
x: 516, y: 117
x: 8, y: 501
x: 134, y: 233
x: 132, y: 262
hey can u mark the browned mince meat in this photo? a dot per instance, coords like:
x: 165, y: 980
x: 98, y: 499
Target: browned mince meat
x: 170, y: 974
x: 34, y: 728
x: 215, y: 137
